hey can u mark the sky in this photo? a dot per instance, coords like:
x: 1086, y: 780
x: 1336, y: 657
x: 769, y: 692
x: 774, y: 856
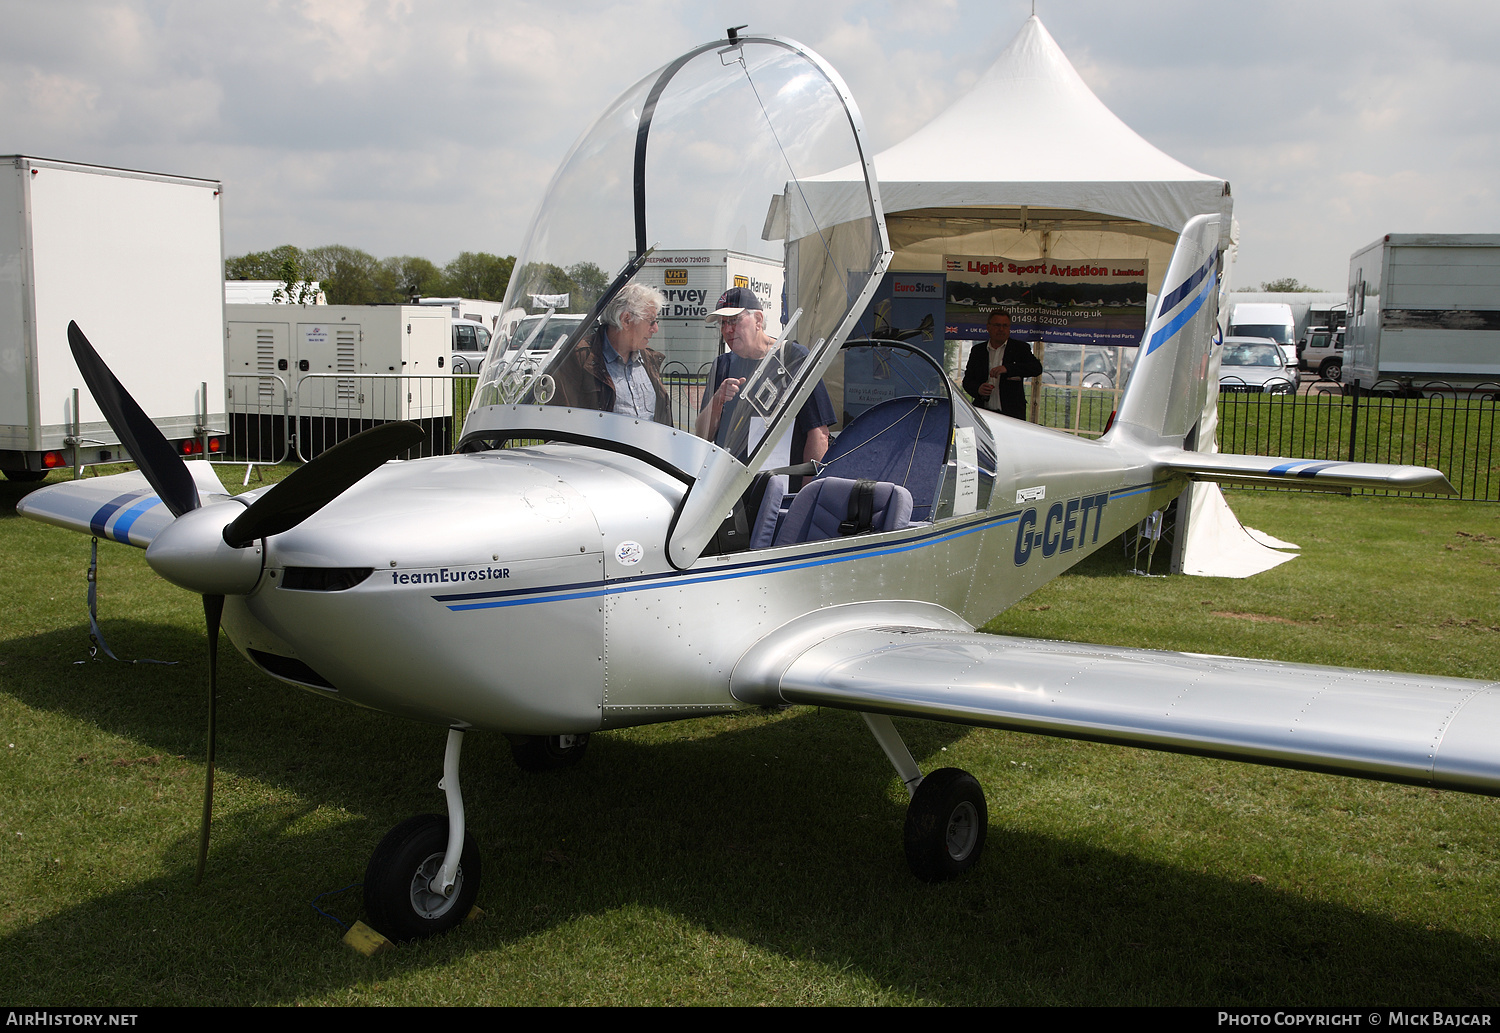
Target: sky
x: 432, y: 128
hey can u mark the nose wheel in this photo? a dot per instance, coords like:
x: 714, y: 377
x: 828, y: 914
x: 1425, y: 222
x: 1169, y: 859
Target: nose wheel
x: 424, y: 875
x: 404, y: 897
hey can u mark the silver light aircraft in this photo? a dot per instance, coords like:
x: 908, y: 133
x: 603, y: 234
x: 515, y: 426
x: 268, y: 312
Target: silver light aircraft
x: 566, y: 573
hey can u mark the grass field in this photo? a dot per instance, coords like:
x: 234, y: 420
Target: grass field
x: 755, y: 858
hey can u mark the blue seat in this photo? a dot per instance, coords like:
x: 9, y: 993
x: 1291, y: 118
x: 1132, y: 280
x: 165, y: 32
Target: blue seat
x: 901, y: 441
x: 822, y: 506
x: 763, y: 531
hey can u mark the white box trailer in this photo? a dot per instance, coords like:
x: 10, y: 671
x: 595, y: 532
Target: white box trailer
x: 103, y: 247
x: 472, y: 309
x: 692, y: 280
x: 333, y: 370
x: 1424, y: 308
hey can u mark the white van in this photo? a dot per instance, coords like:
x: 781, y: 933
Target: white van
x: 1260, y: 319
x: 1273, y: 320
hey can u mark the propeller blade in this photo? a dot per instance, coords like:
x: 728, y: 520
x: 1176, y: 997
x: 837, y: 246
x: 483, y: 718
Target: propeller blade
x: 213, y: 613
x: 312, y: 487
x: 164, y: 469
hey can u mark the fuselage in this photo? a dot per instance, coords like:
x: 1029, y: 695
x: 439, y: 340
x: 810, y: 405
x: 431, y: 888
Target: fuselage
x: 529, y: 590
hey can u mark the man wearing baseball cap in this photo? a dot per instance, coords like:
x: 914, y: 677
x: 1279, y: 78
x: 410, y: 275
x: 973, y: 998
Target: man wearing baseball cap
x: 742, y: 324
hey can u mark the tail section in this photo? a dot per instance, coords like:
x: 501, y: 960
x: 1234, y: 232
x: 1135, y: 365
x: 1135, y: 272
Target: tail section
x: 1173, y: 377
x: 1170, y: 381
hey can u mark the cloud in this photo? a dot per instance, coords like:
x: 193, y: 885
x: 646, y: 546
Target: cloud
x: 414, y: 128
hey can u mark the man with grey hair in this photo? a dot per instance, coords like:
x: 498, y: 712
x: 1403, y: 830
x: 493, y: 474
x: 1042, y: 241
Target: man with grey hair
x: 614, y: 369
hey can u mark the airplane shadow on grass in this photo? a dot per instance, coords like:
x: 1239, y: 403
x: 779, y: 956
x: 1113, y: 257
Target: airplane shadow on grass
x: 782, y: 831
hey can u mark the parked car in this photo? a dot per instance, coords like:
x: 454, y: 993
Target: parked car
x: 470, y: 343
x: 1069, y: 365
x: 1323, y: 350
x: 1255, y: 364
x: 558, y: 326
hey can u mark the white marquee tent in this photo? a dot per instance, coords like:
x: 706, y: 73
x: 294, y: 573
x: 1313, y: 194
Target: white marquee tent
x: 1030, y: 164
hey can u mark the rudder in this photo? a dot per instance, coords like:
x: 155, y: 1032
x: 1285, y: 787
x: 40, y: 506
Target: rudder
x: 1170, y: 381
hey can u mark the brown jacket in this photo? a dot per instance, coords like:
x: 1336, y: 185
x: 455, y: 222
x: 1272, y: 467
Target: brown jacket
x: 583, y: 380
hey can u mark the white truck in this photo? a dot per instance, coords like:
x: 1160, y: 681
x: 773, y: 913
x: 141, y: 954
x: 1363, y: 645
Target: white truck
x: 692, y: 280
x: 1424, y: 308
x: 102, y: 247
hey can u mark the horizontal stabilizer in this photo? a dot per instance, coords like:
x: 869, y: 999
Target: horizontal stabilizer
x: 1314, y: 473
x: 121, y: 507
x: 1373, y: 724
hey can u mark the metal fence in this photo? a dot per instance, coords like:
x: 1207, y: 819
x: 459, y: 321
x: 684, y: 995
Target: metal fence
x: 271, y: 420
x: 1431, y: 424
x: 1456, y: 431
x: 1076, y: 408
x: 685, y: 388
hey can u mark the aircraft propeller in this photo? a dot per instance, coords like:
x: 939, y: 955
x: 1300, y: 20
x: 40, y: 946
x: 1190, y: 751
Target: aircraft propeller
x: 164, y: 469
x: 206, y: 554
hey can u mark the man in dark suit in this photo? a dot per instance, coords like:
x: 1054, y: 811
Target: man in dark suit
x: 997, y: 367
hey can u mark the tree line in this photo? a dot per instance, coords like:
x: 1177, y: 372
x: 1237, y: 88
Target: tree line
x: 349, y: 276
x: 1284, y: 285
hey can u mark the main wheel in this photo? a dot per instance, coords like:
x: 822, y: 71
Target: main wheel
x: 548, y: 752
x: 399, y: 898
x: 25, y: 476
x: 945, y: 825
x: 1332, y: 369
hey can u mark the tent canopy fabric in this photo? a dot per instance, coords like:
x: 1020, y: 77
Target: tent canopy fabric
x: 1029, y: 164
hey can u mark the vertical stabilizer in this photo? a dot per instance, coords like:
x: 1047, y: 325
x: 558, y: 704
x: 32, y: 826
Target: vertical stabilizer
x: 1171, y: 377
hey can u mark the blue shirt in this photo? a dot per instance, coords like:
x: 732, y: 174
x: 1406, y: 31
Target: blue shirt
x: 635, y: 395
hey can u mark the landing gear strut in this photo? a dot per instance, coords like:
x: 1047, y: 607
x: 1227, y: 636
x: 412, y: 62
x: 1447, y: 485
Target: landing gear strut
x: 423, y: 878
x: 947, y: 819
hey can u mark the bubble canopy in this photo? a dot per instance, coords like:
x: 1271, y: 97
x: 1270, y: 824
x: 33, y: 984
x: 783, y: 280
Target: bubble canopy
x: 707, y: 154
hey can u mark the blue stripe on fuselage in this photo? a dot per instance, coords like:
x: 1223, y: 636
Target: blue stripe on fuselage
x: 676, y: 579
x: 1137, y: 489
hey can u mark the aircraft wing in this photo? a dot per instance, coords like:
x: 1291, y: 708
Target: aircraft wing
x: 1315, y: 473
x: 121, y: 507
x: 1375, y: 724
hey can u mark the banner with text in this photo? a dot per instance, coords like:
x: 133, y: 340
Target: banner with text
x: 1098, y: 301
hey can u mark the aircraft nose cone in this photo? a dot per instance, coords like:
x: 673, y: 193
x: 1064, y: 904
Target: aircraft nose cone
x: 191, y: 552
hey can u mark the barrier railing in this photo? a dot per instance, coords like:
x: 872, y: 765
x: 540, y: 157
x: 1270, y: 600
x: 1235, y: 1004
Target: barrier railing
x: 1076, y: 408
x: 260, y: 407
x: 1433, y: 424
x: 329, y: 407
x: 685, y: 388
